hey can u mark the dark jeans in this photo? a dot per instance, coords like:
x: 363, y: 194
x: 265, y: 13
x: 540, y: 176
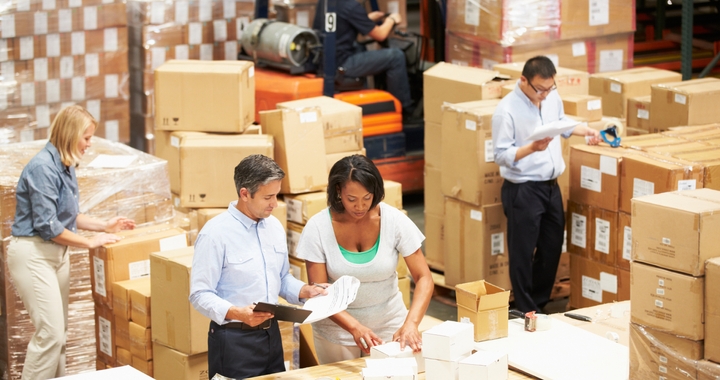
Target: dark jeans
x: 240, y: 354
x: 536, y: 224
x: 391, y: 62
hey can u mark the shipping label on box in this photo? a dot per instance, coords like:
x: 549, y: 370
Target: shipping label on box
x: 616, y: 87
x: 691, y: 102
x: 655, y: 354
x: 595, y: 175
x: 486, y: 305
x: 591, y: 283
x: 302, y: 207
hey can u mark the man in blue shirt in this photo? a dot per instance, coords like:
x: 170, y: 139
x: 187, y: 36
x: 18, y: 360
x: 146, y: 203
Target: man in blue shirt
x: 530, y: 194
x: 241, y: 257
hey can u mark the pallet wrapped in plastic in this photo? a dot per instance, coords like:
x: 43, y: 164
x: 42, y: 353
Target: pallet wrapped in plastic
x: 140, y: 190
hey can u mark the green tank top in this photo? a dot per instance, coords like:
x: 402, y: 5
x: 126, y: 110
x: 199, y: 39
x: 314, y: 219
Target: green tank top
x: 359, y: 257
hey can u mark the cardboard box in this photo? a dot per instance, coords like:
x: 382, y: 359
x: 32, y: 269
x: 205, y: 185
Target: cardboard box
x: 393, y: 193
x: 177, y: 324
x: 624, y: 241
x: 140, y: 341
x: 210, y: 96
x: 433, y: 144
x: 205, y: 214
x: 144, y: 366
x: 695, y: 133
x: 474, y: 244
x: 392, y: 350
x: 568, y: 81
x: 484, y: 365
x: 122, y: 306
x: 686, y: 147
x: 710, y: 161
x: 123, y: 357
x: 433, y: 196
x: 649, y: 174
x: 487, y: 307
x: 333, y: 158
x: 298, y: 269
x: 140, y: 304
x: 655, y: 354
x: 299, y: 148
x: 579, y: 222
x: 580, y: 18
x: 712, y: 309
x: 617, y: 86
x: 668, y: 301
x: 595, y: 175
x: 587, y: 107
x: 469, y: 171
x: 692, y: 102
x: 172, y: 364
x: 456, y: 84
x: 435, y: 240
x: 653, y: 140
x: 404, y: 287
x: 604, y: 233
x: 302, y: 207
x: 624, y: 280
x: 591, y: 283
x: 638, y: 113
x: 105, y: 334
x: 128, y: 259
x: 297, y: 14
x: 443, y: 369
x: 122, y: 332
x: 676, y: 230
x: 449, y: 341
x: 201, y: 165
x: 294, y: 230
x: 386, y: 371
x: 341, y: 121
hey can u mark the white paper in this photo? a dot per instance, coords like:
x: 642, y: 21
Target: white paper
x: 552, y: 129
x: 497, y: 246
x: 40, y: 69
x: 52, y: 90
x: 294, y: 210
x: 591, y: 289
x: 642, y: 187
x: 110, y: 39
x: 206, y: 52
x: 158, y: 57
x: 23, y: 5
x: 8, y: 71
x: 173, y: 242
x: 643, y: 114
x: 616, y: 87
x: 302, y: 18
x: 112, y: 130
x: 65, y: 20
x: 611, y: 60
x: 139, y: 269
x: 113, y: 161
x: 687, y: 184
x: 27, y: 94
x: 476, y: 215
x: 608, y: 165
x: 41, y: 21
x: 590, y: 178
x: 48, y: 5
x: 111, y: 86
x: 157, y: 12
x: 195, y: 33
x: 42, y: 114
x: 489, y: 155
x: 90, y: 18
x: 181, y: 12
x: 602, y: 236
x: 472, y: 12
x: 680, y: 98
x: 182, y: 52
x: 578, y: 230
x: 579, y: 49
x: 3, y: 50
x: 78, y: 88
x: 219, y: 30
x: 231, y: 50
x: 599, y: 12
x: 99, y: 269
x: 340, y: 294
x: 205, y: 11
x: 27, y: 135
x: 78, y: 43
x: 8, y: 26
x: 27, y: 48
x: 608, y: 282
x: 52, y: 45
x: 105, y: 333
x: 93, y: 106
x: 627, y: 243
x: 229, y: 9
x: 67, y: 67
x: 593, y: 105
x: 92, y: 65
x: 75, y: 3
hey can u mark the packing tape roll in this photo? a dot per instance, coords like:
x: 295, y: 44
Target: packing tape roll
x: 617, y: 123
x: 613, y: 336
x: 543, y: 323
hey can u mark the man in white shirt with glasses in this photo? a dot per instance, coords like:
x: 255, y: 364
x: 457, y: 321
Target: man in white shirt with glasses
x: 530, y: 194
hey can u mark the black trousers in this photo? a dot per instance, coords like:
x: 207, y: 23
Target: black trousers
x: 239, y: 354
x: 536, y: 224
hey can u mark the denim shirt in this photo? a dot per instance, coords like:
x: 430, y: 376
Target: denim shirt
x: 46, y: 196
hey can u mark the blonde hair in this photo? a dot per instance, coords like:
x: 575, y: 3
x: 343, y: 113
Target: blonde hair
x: 67, y: 130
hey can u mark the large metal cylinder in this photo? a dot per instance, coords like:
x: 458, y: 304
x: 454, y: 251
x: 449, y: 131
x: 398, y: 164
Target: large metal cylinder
x: 278, y: 42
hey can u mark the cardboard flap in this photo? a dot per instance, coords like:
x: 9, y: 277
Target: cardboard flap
x: 481, y: 295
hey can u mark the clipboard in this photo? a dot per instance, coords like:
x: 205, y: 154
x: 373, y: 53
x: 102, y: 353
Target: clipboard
x: 284, y: 312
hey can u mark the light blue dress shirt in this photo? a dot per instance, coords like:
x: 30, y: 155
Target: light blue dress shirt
x: 515, y: 118
x: 238, y: 262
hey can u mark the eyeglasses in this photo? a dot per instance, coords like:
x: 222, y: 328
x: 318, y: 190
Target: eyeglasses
x: 549, y: 90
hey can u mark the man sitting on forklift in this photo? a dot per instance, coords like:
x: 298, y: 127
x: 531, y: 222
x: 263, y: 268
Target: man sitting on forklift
x: 352, y: 19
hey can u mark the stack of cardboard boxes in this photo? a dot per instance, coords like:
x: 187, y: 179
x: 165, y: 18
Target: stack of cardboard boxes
x: 589, y: 36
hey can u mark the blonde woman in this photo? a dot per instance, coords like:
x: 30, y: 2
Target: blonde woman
x: 47, y: 217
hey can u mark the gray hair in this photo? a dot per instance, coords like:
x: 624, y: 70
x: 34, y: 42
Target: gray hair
x: 255, y: 171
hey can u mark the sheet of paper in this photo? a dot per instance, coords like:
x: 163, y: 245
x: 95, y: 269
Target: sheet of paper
x: 340, y: 294
x: 552, y: 129
x: 111, y: 161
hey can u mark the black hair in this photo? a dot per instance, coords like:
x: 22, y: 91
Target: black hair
x: 540, y: 66
x: 354, y: 168
x: 254, y: 171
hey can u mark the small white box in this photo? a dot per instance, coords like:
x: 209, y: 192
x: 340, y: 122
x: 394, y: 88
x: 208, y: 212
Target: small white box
x: 393, y: 363
x: 448, y: 341
x: 392, y: 350
x: 443, y: 369
x: 382, y: 373
x: 484, y: 365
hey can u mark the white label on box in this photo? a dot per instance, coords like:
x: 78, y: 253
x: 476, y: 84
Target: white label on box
x: 660, y: 291
x: 293, y: 239
x: 665, y: 241
x: 90, y: 18
x: 105, y: 334
x: 593, y: 105
x: 240, y: 24
x: 308, y: 117
x: 139, y: 269
x: 41, y: 21
x: 590, y: 178
x: 99, y: 271
x: 93, y: 107
x: 564, y: 246
x: 659, y: 303
x: 78, y: 43
x: 462, y: 63
x: 627, y: 243
x: 476, y: 215
x: 294, y: 210
x: 687, y: 184
x: 591, y: 289
x: 111, y: 86
x: 472, y: 12
x: 78, y: 88
x: 489, y: 155
x: 579, y: 49
x: 52, y: 90
x: 8, y: 26
x: 229, y: 9
x: 642, y: 187
x: 27, y: 135
x: 3, y: 50
x: 608, y: 282
x: 393, y: 7
x: 487, y: 64
x: 283, y: 45
x: 175, y: 141
x: 611, y: 60
x: 578, y: 230
x: 302, y: 18
x: 251, y: 72
x: 48, y: 4
x: 599, y: 12
x: 8, y: 71
x: 195, y: 33
x: 27, y: 48
x: 52, y: 45
x: 662, y: 369
x: 111, y: 39
x: 27, y: 94
x: 680, y: 98
x: 608, y: 165
x: 67, y: 67
x: 554, y: 58
x: 643, y: 114
x: 23, y: 5
x: 182, y: 52
x: 158, y: 57
x: 75, y: 3
x: 173, y: 242
x: 497, y: 241
x: 40, y: 69
x: 205, y: 10
x: 92, y: 65
x: 42, y: 113
x: 471, y: 125
x: 65, y: 20
x: 206, y: 52
x: 181, y: 12
x: 220, y: 30
x: 661, y: 282
x: 616, y: 87
x: 112, y: 130
x: 663, y: 359
x: 602, y: 236
x: 157, y: 12
x: 231, y: 50
x: 3, y: 98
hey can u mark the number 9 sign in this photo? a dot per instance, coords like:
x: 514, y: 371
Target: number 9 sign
x: 330, y: 22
